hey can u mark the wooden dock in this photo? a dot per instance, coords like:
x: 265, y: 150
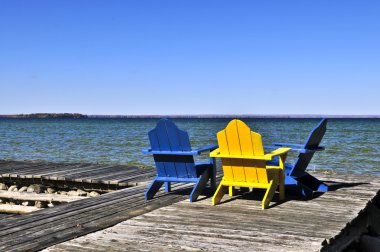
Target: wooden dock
x: 238, y: 224
x: 88, y: 176
x: 123, y: 221
x: 38, y: 230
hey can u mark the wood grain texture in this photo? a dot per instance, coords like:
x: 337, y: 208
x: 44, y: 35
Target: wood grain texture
x: 38, y: 230
x: 240, y: 224
x: 70, y: 175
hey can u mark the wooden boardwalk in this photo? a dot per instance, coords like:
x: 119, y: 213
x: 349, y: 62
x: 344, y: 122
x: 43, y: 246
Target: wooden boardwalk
x: 238, y: 224
x: 89, y: 176
x: 123, y: 221
x: 38, y: 230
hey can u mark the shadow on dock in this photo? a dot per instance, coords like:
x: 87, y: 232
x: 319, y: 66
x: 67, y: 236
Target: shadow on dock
x: 333, y: 185
x: 258, y: 194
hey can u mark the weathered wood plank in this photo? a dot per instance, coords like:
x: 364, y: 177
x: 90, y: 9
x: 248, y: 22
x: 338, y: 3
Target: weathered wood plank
x: 67, y: 233
x: 105, y: 214
x: 54, y: 173
x: 95, y: 169
x: 42, y: 172
x: 15, y: 223
x: 117, y: 172
x: 29, y: 171
x: 17, y: 209
x: 11, y: 165
x: 239, y: 224
x: 103, y: 203
x: 71, y: 172
x: 30, y: 196
x: 8, y: 171
x: 137, y: 177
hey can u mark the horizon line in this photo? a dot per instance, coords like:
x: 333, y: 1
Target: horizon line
x: 237, y: 115
x: 195, y: 115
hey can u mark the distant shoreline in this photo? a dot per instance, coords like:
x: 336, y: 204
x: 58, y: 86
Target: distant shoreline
x: 204, y: 116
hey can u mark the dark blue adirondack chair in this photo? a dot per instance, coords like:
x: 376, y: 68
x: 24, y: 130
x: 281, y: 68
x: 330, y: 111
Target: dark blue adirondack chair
x: 296, y: 175
x: 174, y: 160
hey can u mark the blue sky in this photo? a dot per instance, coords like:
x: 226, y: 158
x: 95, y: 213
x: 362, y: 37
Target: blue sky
x: 190, y: 57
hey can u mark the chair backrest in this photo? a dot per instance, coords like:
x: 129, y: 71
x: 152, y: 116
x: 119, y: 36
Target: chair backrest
x: 316, y: 135
x: 312, y: 142
x: 238, y: 139
x: 166, y: 136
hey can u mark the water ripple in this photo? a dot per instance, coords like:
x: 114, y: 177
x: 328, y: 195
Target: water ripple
x: 351, y: 144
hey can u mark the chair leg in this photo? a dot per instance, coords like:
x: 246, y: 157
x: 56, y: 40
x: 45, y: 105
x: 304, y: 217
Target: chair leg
x: 213, y: 174
x: 282, y: 185
x: 307, y: 184
x: 153, y: 189
x: 323, y: 187
x: 231, y: 190
x: 199, y: 186
x: 306, y: 192
x: 269, y: 194
x: 168, y: 187
x: 218, y: 195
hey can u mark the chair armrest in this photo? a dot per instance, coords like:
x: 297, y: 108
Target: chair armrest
x: 146, y: 151
x: 206, y: 148
x: 279, y: 152
x: 300, y: 146
x: 179, y: 153
x: 297, y: 147
x: 269, y: 156
x: 309, y: 150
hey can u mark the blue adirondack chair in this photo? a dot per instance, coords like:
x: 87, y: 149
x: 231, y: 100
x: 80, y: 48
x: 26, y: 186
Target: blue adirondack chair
x: 296, y: 175
x: 174, y: 160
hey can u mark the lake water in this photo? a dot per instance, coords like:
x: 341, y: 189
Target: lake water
x: 352, y: 145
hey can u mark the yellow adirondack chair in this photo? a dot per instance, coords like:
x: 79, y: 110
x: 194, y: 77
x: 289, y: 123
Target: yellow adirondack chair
x: 244, y: 163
